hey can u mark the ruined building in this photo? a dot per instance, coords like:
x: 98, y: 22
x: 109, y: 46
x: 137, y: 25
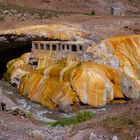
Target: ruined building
x: 116, y: 11
x: 60, y: 48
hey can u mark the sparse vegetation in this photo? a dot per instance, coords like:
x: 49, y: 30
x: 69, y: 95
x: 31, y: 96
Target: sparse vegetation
x: 28, y: 12
x: 123, y: 123
x: 78, y: 118
x: 93, y: 13
x: 126, y: 27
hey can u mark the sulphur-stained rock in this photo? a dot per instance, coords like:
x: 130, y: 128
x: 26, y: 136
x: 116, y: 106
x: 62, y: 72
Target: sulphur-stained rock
x: 53, y: 31
x: 121, y: 53
x: 130, y: 87
x: 16, y: 76
x: 66, y: 84
x: 63, y: 82
x: 18, y: 68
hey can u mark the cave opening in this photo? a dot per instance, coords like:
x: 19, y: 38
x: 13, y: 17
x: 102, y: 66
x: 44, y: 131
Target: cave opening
x: 13, y: 46
x: 12, y: 50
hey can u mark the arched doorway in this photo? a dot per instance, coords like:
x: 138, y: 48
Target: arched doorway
x: 74, y: 49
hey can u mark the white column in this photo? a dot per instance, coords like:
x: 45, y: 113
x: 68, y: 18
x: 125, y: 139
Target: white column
x: 70, y: 47
x: 44, y: 46
x: 50, y: 47
x: 65, y: 47
x: 39, y: 45
x: 77, y: 48
x: 57, y: 47
x: 33, y: 46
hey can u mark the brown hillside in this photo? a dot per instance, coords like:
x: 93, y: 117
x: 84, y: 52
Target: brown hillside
x: 82, y: 6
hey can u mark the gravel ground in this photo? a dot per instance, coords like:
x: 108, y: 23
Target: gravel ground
x: 120, y: 121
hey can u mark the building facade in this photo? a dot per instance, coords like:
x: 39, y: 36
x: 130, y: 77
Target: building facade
x: 66, y: 46
x: 116, y: 11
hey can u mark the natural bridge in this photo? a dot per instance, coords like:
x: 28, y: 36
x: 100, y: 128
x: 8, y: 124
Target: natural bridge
x: 62, y: 80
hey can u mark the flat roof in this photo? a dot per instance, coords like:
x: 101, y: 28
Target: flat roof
x: 63, y: 42
x: 47, y: 42
x: 116, y: 8
x: 73, y: 42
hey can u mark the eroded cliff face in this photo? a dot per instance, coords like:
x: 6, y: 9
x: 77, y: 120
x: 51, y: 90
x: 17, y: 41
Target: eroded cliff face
x: 121, y: 53
x: 65, y: 83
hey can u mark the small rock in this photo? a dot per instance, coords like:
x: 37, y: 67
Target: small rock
x: 18, y: 112
x: 114, y: 138
x: 2, y: 137
x: 94, y: 137
x: 65, y: 108
x: 58, y: 138
x: 37, y: 134
x: 137, y: 138
x: 3, y: 106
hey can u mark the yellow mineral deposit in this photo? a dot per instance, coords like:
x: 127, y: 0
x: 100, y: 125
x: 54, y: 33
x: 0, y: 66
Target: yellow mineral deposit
x: 67, y: 82
x: 125, y: 49
x: 53, y: 31
x: 64, y: 84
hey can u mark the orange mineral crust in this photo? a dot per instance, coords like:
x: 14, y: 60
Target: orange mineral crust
x: 65, y: 83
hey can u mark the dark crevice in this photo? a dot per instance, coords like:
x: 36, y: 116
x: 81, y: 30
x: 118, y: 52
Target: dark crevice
x: 13, y: 46
x: 11, y: 50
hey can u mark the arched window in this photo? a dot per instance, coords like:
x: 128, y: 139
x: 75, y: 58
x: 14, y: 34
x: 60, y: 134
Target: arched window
x: 53, y: 47
x: 47, y: 46
x: 42, y: 46
x: 63, y: 47
x: 68, y: 47
x: 36, y: 46
x: 80, y: 48
x: 74, y: 48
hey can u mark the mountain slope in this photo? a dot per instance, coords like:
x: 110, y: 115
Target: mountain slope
x: 81, y: 6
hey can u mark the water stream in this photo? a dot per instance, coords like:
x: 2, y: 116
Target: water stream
x: 38, y: 111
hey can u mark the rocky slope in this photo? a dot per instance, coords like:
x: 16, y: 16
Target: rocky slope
x: 81, y: 6
x: 117, y: 122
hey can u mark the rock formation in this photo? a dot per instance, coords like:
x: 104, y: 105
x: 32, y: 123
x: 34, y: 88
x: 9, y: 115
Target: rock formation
x: 50, y: 31
x: 65, y: 82
x: 123, y: 54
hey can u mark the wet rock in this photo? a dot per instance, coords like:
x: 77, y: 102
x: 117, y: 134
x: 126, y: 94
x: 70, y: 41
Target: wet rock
x: 3, y: 138
x: 65, y: 108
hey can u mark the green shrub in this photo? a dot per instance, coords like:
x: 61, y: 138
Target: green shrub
x: 93, y: 13
x: 78, y: 118
x: 83, y: 116
x: 126, y: 27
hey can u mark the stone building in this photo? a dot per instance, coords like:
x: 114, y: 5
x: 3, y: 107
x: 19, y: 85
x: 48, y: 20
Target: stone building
x: 62, y: 46
x: 117, y: 11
